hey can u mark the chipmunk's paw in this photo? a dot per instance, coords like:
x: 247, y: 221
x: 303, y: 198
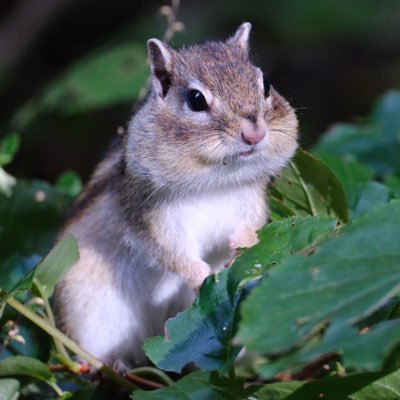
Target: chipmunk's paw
x: 243, y: 237
x: 198, y: 272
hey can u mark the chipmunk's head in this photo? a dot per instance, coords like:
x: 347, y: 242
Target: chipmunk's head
x: 212, y: 118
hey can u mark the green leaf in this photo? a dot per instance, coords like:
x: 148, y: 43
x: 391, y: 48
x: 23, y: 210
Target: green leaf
x: 386, y: 113
x: 278, y: 240
x: 278, y: 390
x: 201, y: 334
x: 362, y: 194
x: 86, y: 393
x: 29, y: 219
x: 56, y: 264
x: 8, y: 148
x: 385, y: 388
x: 69, y: 183
x: 25, y: 283
x: 25, y: 366
x: 349, y: 172
x: 308, y: 187
x: 376, y: 143
x: 322, y: 296
x: 393, y: 183
x: 200, y: 386
x: 353, y: 387
x: 104, y: 78
x: 9, y: 389
x: 370, y: 195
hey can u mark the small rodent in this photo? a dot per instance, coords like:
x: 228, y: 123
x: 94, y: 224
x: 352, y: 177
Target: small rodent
x: 175, y: 195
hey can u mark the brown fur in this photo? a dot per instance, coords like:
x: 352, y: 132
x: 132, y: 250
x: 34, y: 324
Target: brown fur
x: 173, y: 197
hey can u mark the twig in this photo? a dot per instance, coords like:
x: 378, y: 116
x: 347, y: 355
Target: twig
x: 63, y: 355
x: 67, y: 342
x: 311, y: 368
x: 145, y: 382
x: 173, y: 25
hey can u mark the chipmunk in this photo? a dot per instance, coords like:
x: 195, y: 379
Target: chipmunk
x: 176, y: 195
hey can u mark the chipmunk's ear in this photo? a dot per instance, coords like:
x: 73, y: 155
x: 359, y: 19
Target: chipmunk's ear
x: 241, y: 36
x: 160, y: 56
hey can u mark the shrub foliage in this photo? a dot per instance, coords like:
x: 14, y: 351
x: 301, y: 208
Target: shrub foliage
x: 310, y: 312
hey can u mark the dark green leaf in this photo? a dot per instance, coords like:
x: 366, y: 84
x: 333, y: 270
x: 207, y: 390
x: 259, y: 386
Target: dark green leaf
x: 8, y: 148
x: 15, y: 269
x: 376, y: 144
x: 9, y: 389
x: 201, y: 334
x: 377, y: 345
x: 307, y: 186
x: 200, y: 386
x: 385, y: 388
x: 29, y: 219
x: 350, y: 173
x: 333, y: 388
x: 278, y: 390
x: 25, y: 283
x: 107, y: 77
x: 326, y: 293
x: 387, y: 115
x: 69, y: 183
x: 278, y: 240
x: 85, y: 393
x: 393, y: 183
x: 56, y: 264
x: 369, y: 196
x: 25, y: 366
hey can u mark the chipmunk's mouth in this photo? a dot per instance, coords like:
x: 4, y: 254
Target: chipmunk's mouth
x: 242, y: 155
x: 247, y: 153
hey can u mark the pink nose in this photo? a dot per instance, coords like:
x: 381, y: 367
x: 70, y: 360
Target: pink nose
x: 252, y: 138
x: 252, y: 132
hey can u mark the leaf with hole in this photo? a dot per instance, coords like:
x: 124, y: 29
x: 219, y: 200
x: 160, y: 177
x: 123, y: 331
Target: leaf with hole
x: 316, y: 299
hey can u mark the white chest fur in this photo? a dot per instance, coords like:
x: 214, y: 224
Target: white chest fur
x: 202, y: 225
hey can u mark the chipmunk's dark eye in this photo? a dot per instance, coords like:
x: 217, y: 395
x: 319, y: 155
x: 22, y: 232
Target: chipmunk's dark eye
x: 196, y: 100
x: 267, y: 87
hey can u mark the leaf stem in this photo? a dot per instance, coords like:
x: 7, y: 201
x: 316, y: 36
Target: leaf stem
x: 154, y: 372
x: 309, y: 198
x: 63, y: 355
x: 56, y: 388
x: 67, y: 342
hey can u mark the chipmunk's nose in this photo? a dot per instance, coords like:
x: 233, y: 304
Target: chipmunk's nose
x: 253, y: 130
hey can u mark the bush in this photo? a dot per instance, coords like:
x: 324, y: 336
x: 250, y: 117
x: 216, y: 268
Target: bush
x: 315, y: 303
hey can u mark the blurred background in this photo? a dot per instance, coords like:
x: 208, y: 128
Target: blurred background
x: 71, y: 70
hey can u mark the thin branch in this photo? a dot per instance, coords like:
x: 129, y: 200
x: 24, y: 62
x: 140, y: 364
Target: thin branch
x: 153, y: 371
x: 67, y: 342
x: 144, y: 382
x: 62, y: 355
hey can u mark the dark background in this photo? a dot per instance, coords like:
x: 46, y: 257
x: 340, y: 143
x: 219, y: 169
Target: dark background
x: 331, y: 59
